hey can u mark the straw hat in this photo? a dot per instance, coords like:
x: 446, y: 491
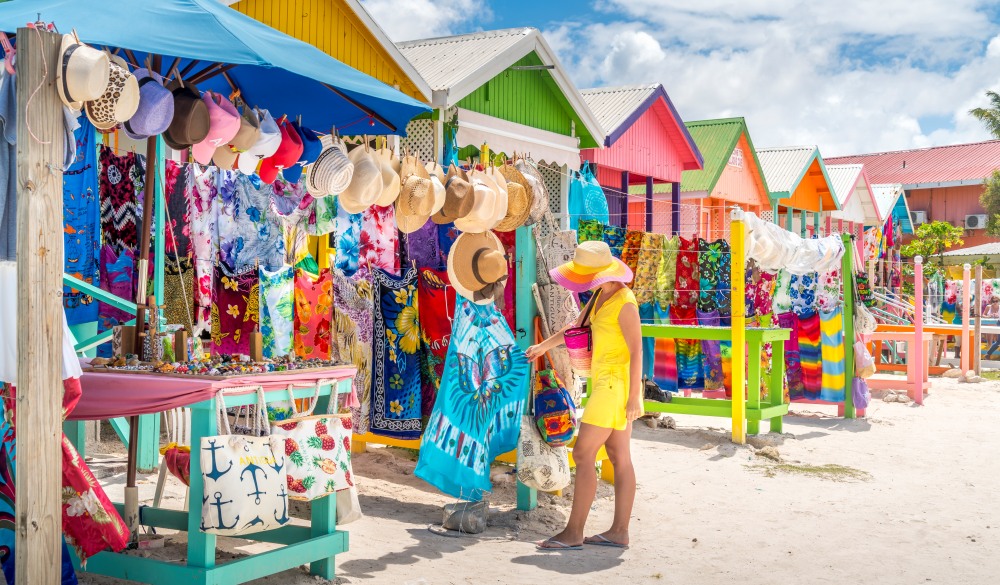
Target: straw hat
x: 224, y: 123
x: 331, y: 172
x: 459, y: 197
x: 437, y: 183
x: 416, y: 198
x: 249, y: 133
x: 519, y: 199
x: 156, y: 107
x: 500, y: 205
x: 481, y: 217
x: 120, y: 98
x: 190, y: 123
x: 389, y: 165
x: 288, y: 154
x: 83, y: 73
x: 366, y: 183
x: 477, y: 267
x: 539, y: 195
x: 592, y: 265
x: 266, y: 145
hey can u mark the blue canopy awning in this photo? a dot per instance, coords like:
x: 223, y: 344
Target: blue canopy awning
x: 271, y: 69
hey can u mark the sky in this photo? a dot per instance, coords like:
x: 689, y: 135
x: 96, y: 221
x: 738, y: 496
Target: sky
x: 850, y: 76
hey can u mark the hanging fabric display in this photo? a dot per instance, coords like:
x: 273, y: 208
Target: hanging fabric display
x: 586, y: 198
x: 614, y: 237
x: 82, y: 225
x: 293, y: 207
x: 687, y: 279
x: 793, y: 361
x: 380, y: 239
x: 121, y: 178
x: 313, y: 314
x: 803, y: 293
x: 277, y: 311
x: 447, y: 234
x: 478, y: 413
x: 666, y: 276
x: 117, y: 277
x: 323, y: 217
x: 709, y: 273
x: 235, y: 315
x: 828, y: 291
x: 510, y: 289
x: 178, y: 291
x: 723, y: 287
x: 396, y: 389
x: 348, y: 241
x: 204, y: 242
x: 423, y: 248
x: 589, y: 230
x: 810, y: 354
x: 249, y: 231
x: 631, y: 251
x: 647, y: 267
x: 436, y: 310
x: 834, y: 371
x: 712, y: 352
x: 353, y: 309
x: 782, y: 300
x: 665, y: 357
x: 178, y: 182
x: 553, y: 248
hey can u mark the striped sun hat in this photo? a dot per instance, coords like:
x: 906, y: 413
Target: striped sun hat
x: 592, y: 265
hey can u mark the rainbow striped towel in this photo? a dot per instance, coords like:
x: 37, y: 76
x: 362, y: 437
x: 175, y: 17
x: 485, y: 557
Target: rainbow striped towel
x: 834, y: 373
x: 793, y: 363
x: 664, y: 354
x: 811, y: 354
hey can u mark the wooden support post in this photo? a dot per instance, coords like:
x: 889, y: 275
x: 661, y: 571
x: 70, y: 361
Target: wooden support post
x: 916, y: 350
x: 977, y: 366
x: 966, y: 301
x: 847, y: 278
x: 38, y: 523
x: 649, y: 204
x: 675, y: 208
x: 738, y: 308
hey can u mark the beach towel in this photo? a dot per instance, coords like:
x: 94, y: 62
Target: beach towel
x: 235, y: 311
x: 436, y: 311
x: 478, y: 412
x: 380, y: 238
x: 313, y: 314
x: 353, y: 307
x: 665, y: 360
x: 204, y: 242
x: 834, y: 372
x: 793, y: 361
x: 690, y: 369
x: 810, y: 354
x: 277, y: 311
x: 396, y: 391
x: 711, y: 352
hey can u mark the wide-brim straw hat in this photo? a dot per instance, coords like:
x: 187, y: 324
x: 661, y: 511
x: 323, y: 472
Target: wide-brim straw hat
x: 481, y: 217
x: 459, y: 197
x: 82, y: 74
x: 592, y: 265
x: 519, y: 199
x: 391, y: 181
x: 437, y: 182
x: 331, y: 172
x: 120, y: 98
x: 366, y: 183
x: 477, y: 267
x: 191, y: 122
x: 539, y: 195
x: 156, y: 107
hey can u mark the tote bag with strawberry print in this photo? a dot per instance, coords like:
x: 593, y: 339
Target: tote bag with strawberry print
x: 317, y: 450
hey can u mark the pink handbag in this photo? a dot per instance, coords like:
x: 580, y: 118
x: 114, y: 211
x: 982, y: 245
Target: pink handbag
x: 580, y: 341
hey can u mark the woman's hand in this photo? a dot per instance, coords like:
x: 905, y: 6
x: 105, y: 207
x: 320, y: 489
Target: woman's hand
x: 633, y: 409
x: 534, y: 352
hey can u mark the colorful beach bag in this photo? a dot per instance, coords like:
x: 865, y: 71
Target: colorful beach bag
x: 245, y: 478
x: 862, y: 395
x: 318, y: 448
x: 555, y: 413
x: 540, y: 465
x: 580, y: 341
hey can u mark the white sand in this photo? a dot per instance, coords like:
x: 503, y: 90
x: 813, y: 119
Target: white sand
x: 925, y: 510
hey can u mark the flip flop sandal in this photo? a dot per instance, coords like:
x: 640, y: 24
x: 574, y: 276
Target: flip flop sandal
x: 559, y: 546
x: 603, y: 541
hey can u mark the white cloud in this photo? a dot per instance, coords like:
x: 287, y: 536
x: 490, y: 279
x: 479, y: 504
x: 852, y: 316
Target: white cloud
x: 851, y: 76
x: 419, y: 19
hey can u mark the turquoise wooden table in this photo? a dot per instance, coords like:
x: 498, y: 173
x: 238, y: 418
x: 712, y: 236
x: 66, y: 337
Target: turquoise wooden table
x: 316, y: 544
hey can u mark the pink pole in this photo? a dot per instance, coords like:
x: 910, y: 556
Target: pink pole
x: 966, y: 301
x: 917, y: 347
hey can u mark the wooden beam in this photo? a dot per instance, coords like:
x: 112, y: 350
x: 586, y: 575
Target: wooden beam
x: 38, y: 523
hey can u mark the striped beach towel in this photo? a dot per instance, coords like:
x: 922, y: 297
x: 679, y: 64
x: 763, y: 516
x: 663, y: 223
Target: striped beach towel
x: 712, y: 352
x: 793, y: 363
x: 834, y: 373
x: 664, y: 354
x: 690, y: 374
x: 810, y: 354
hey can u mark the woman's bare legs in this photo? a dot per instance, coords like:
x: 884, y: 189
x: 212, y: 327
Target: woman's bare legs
x: 619, y: 451
x: 588, y: 443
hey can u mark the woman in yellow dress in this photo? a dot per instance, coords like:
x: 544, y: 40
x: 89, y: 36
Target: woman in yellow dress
x: 616, y: 397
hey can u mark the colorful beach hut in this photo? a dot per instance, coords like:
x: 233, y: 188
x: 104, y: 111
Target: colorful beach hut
x: 853, y: 191
x: 800, y: 187
x: 645, y: 144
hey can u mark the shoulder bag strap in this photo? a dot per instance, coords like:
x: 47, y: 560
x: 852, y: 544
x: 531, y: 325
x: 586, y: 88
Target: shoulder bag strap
x: 589, y: 310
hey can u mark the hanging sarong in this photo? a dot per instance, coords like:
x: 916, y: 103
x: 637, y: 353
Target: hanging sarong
x: 204, y: 237
x: 690, y: 369
x: 121, y: 180
x: 810, y: 354
x: 396, y: 391
x: 478, y: 415
x: 647, y: 267
x: 348, y: 241
x: 834, y: 372
x: 793, y: 360
x: 631, y: 253
x: 614, y: 237
x: 380, y: 238
x: 589, y: 230
x: 509, y: 309
x: 711, y: 351
x: 250, y: 232
x: 666, y: 275
x: 664, y: 353
x: 277, y: 311
x: 803, y: 293
x: 82, y: 225
x: 423, y: 248
x: 687, y: 281
x: 709, y: 273
x: 313, y: 314
x: 353, y: 310
x: 235, y: 314
x: 436, y: 309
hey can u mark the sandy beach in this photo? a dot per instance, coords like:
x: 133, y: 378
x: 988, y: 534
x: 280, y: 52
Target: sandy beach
x: 904, y: 496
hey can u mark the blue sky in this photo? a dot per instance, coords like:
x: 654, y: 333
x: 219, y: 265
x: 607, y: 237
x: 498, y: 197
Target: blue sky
x: 849, y: 75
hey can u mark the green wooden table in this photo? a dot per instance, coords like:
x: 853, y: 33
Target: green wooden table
x: 316, y: 544
x: 756, y: 409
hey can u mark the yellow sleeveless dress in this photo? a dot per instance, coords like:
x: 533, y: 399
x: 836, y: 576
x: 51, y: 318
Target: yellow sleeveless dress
x: 610, y: 367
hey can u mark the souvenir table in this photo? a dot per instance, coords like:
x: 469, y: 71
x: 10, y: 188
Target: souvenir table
x: 114, y: 394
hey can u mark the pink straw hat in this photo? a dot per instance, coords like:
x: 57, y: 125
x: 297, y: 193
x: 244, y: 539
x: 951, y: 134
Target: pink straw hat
x: 592, y: 265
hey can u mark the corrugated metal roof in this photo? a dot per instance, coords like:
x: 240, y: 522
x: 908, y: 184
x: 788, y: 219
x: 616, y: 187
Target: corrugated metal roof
x: 444, y: 62
x: 843, y: 178
x: 784, y: 167
x: 886, y: 195
x: 990, y: 249
x: 716, y: 140
x: 958, y: 163
x: 614, y: 105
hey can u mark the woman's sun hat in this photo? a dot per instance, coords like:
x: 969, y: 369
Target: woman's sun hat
x: 481, y: 217
x: 156, y: 107
x: 437, y: 180
x: 415, y: 204
x: 331, y: 172
x: 519, y: 199
x: 592, y: 265
x: 224, y: 123
x: 82, y: 74
x: 389, y: 164
x: 459, y: 197
x: 191, y: 122
x: 120, y: 99
x: 477, y: 267
x: 539, y: 196
x: 366, y: 183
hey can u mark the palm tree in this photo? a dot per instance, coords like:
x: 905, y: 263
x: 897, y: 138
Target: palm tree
x: 990, y: 117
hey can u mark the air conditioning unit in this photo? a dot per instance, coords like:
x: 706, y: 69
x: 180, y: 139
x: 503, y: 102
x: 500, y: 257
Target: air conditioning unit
x: 918, y: 217
x: 975, y: 222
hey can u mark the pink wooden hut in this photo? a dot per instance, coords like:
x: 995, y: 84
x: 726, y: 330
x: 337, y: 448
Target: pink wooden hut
x: 646, y: 143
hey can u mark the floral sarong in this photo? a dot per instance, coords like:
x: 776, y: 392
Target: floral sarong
x: 396, y: 391
x: 313, y: 314
x: 277, y: 311
x: 235, y: 314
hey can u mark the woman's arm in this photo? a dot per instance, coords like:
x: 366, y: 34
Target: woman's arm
x: 628, y: 320
x: 535, y: 351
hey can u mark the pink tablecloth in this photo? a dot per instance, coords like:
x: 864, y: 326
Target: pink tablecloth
x: 110, y: 395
